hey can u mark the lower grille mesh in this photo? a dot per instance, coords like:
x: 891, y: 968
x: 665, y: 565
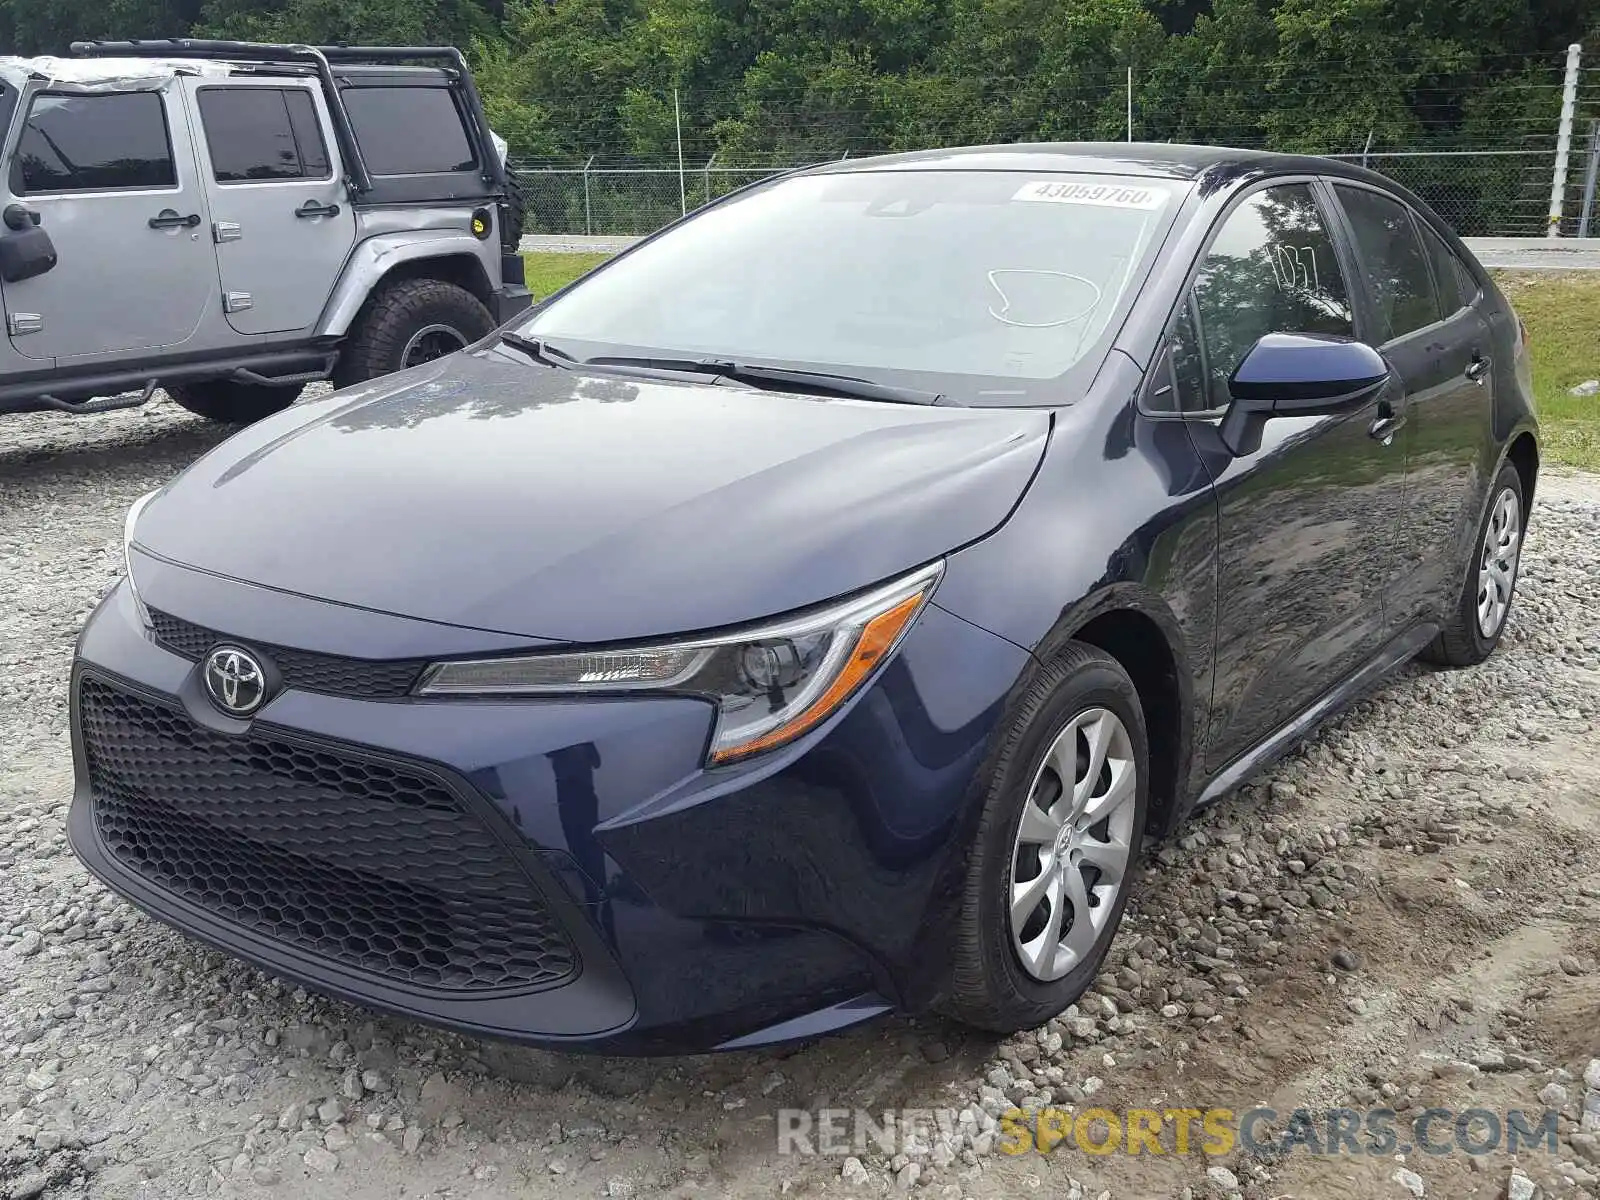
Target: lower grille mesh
x: 363, y: 863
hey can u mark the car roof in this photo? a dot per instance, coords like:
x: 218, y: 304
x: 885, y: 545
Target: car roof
x: 111, y: 70
x: 1169, y: 160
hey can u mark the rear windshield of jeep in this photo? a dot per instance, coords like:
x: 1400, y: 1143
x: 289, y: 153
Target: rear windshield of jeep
x: 409, y: 130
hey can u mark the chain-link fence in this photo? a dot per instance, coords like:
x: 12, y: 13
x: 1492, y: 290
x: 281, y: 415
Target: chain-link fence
x: 1479, y: 192
x: 1487, y: 177
x: 628, y: 199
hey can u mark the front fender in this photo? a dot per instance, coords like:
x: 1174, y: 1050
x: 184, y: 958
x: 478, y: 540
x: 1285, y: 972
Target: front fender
x: 377, y: 257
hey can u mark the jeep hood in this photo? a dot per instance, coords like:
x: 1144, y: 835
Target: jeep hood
x: 489, y: 492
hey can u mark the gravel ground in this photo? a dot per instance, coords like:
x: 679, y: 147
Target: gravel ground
x: 1406, y: 911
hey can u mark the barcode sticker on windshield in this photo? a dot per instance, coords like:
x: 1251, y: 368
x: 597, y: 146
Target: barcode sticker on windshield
x: 1106, y: 195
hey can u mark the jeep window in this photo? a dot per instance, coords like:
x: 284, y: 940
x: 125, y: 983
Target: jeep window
x: 262, y: 133
x: 93, y: 142
x: 409, y: 130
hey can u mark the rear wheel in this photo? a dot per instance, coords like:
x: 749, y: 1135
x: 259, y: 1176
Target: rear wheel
x: 1057, y: 845
x: 1479, y: 615
x: 232, y: 402
x: 407, y: 323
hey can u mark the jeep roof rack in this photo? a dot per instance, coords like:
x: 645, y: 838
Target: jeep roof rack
x: 321, y: 57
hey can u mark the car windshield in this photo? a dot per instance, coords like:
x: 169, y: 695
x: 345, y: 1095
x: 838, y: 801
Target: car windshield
x: 981, y: 286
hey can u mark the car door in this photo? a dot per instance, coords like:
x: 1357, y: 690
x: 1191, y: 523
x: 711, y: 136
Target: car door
x: 1307, y: 523
x: 111, y: 177
x: 282, y: 222
x: 10, y: 360
x: 1438, y: 344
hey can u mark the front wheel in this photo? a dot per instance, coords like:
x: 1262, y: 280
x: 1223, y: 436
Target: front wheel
x: 1057, y: 845
x: 232, y: 402
x: 407, y: 323
x: 1479, y: 613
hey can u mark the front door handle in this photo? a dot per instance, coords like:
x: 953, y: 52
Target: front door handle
x: 1387, y: 425
x: 169, y: 218
x: 312, y: 209
x: 1478, y: 369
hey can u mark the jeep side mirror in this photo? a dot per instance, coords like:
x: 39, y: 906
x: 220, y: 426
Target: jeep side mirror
x: 25, y: 249
x: 1298, y: 375
x: 19, y: 217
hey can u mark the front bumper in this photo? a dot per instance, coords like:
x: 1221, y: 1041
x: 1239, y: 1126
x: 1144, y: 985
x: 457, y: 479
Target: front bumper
x: 696, y: 909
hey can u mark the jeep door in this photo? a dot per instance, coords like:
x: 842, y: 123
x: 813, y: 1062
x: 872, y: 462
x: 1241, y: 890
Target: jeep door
x: 111, y: 177
x: 282, y: 222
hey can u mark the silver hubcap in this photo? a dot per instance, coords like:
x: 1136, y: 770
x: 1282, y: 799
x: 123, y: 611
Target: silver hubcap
x: 431, y: 342
x: 1497, y: 568
x: 1073, y: 844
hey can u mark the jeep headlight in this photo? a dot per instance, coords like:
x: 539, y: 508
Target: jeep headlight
x: 770, y: 682
x: 128, y: 524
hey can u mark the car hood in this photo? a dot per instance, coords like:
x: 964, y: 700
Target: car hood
x: 488, y: 492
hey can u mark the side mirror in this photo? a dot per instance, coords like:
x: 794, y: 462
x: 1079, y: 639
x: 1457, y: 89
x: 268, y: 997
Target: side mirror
x: 25, y: 253
x: 1298, y: 375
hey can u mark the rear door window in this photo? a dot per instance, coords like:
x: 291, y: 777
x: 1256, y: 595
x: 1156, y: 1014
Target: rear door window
x: 101, y: 141
x: 1448, y: 273
x: 409, y: 130
x: 1395, y: 262
x: 261, y: 134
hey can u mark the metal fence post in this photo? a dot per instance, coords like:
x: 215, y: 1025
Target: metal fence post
x: 588, y: 217
x: 677, y: 120
x: 1130, y: 103
x: 1569, y: 103
x: 709, y: 162
x: 1589, y: 177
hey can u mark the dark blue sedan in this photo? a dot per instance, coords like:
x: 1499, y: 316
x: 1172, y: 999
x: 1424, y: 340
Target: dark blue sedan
x: 812, y: 611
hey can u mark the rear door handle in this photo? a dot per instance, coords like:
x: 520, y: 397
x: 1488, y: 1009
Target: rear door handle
x: 1478, y: 369
x: 312, y: 209
x: 169, y: 218
x: 1387, y: 425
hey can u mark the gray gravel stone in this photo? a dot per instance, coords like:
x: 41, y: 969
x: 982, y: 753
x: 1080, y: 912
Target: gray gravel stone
x: 321, y: 1161
x: 1223, y: 1178
x: 1554, y: 1095
x: 1410, y: 1180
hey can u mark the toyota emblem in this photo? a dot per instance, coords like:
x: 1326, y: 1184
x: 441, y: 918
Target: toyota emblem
x: 235, y: 681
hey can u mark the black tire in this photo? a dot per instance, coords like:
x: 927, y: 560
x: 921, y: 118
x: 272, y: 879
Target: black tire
x: 232, y: 402
x: 1462, y: 642
x: 513, y: 213
x: 400, y: 311
x: 989, y: 987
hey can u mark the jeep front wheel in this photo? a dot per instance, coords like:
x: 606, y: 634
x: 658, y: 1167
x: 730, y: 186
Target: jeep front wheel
x: 232, y: 402
x: 407, y: 323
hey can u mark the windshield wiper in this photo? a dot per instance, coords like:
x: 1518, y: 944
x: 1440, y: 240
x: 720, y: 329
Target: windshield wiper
x: 538, y: 349
x: 818, y: 382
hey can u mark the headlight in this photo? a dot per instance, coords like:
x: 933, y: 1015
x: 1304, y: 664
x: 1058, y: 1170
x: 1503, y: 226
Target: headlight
x: 770, y: 683
x: 127, y: 545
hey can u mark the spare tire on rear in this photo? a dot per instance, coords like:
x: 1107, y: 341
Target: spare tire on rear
x: 513, y: 213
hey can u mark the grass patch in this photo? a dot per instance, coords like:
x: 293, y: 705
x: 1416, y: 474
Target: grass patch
x: 1562, y: 312
x: 550, y: 272
x: 1560, y: 308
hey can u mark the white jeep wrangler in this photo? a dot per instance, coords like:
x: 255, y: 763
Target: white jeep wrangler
x: 231, y: 221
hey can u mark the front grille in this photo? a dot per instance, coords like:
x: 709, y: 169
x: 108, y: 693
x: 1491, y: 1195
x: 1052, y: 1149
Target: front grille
x: 362, y: 862
x: 367, y: 679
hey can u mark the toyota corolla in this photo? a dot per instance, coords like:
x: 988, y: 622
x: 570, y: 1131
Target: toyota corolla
x: 812, y: 611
